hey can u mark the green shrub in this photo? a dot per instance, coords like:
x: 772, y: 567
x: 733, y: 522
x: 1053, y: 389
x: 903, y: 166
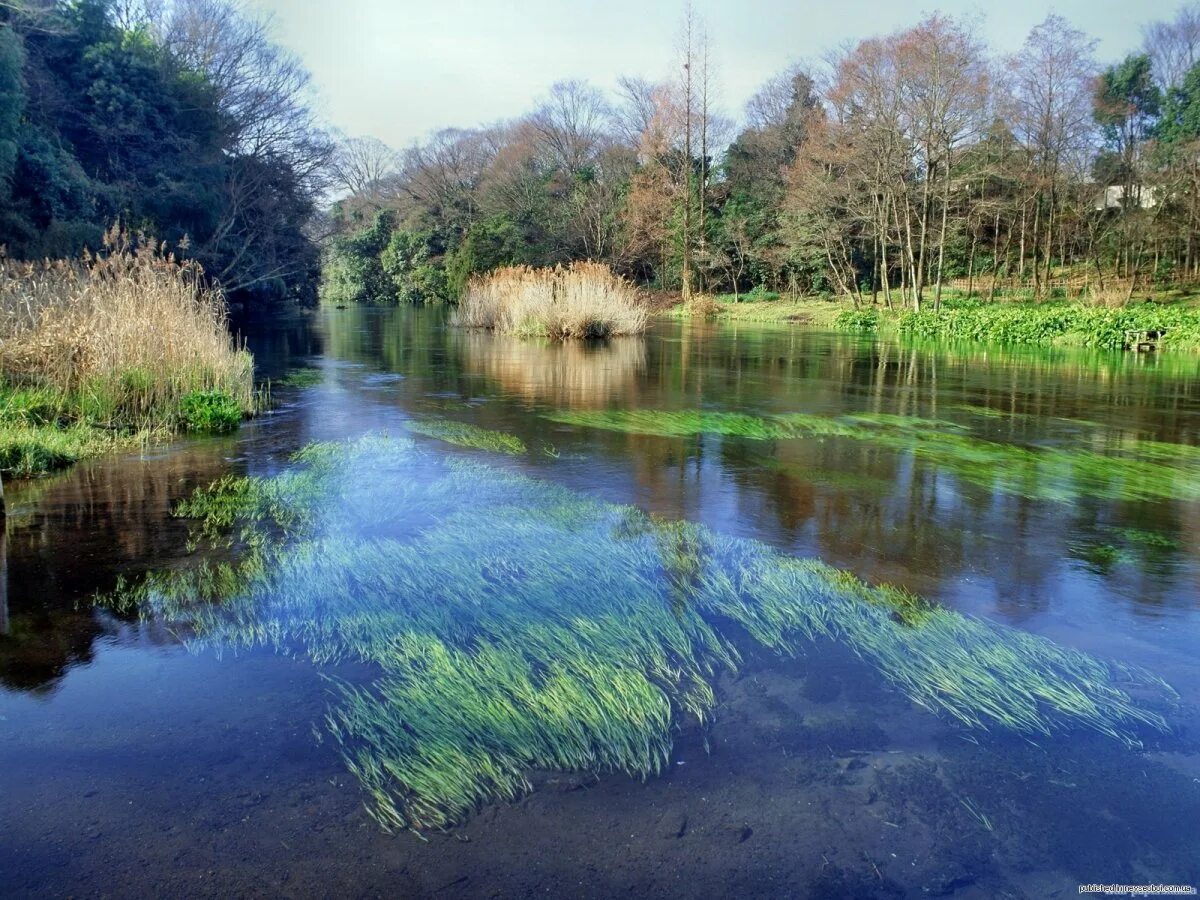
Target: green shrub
x: 857, y: 320
x: 353, y: 268
x: 210, y: 411
x: 407, y: 263
x: 29, y: 406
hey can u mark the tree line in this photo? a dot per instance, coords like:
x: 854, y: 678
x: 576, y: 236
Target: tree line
x: 180, y: 119
x: 902, y: 164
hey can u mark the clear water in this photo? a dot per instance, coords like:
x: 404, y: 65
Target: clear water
x: 186, y: 739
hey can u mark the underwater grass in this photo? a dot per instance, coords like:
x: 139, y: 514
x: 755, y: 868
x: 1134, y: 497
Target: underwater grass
x: 514, y: 625
x: 302, y: 378
x: 1146, y: 470
x: 464, y: 434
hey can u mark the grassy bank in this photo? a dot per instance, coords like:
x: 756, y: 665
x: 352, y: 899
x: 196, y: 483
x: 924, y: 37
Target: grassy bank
x: 766, y: 309
x: 583, y: 300
x: 110, y: 352
x: 1013, y: 320
x: 1057, y: 324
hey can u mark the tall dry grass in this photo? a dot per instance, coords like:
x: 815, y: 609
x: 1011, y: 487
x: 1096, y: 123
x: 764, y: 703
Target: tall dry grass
x: 582, y: 300
x: 120, y: 338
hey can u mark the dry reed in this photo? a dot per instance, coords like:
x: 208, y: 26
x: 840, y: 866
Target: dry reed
x: 121, y: 337
x: 582, y: 300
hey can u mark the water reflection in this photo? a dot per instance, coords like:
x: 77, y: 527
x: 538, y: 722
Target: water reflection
x: 4, y: 626
x: 570, y: 375
x: 69, y: 536
x: 910, y: 508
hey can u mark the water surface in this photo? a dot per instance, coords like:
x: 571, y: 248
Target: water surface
x: 657, y: 678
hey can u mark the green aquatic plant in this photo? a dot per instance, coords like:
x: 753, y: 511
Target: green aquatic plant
x: 688, y: 423
x: 464, y: 434
x: 302, y: 378
x: 1048, y: 324
x: 209, y: 411
x: 857, y: 320
x: 511, y: 625
x: 989, y: 412
x: 1145, y: 470
x: 1101, y: 556
x: 1150, y: 539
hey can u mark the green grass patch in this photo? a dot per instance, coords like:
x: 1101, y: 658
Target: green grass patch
x: 857, y: 320
x: 1054, y: 324
x: 813, y: 311
x: 513, y: 625
x: 463, y: 434
x: 209, y: 411
x: 30, y: 450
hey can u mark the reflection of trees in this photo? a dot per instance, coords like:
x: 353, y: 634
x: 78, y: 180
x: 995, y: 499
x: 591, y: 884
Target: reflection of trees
x: 72, y: 535
x: 566, y: 374
x: 891, y: 516
x: 282, y: 344
x: 4, y: 626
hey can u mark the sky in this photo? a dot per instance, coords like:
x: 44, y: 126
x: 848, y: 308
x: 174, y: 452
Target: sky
x: 400, y: 69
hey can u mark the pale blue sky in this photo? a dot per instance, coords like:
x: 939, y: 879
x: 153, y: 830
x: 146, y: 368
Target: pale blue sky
x: 398, y: 69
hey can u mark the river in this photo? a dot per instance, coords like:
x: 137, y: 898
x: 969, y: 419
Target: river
x: 579, y: 620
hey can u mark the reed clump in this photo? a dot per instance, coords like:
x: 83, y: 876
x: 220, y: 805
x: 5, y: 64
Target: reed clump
x: 581, y: 300
x: 130, y: 340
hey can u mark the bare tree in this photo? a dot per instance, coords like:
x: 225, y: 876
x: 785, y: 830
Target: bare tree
x: 636, y: 108
x: 1174, y: 46
x: 361, y: 166
x: 1050, y: 87
x: 571, y: 124
x: 689, y: 37
x: 443, y: 175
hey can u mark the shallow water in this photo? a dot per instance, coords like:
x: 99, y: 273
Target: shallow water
x: 804, y: 737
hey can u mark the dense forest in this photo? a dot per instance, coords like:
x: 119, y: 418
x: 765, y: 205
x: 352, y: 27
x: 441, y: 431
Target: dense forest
x: 180, y: 120
x: 898, y: 166
x: 904, y: 163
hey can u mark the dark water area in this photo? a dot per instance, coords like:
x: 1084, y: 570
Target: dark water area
x: 545, y: 611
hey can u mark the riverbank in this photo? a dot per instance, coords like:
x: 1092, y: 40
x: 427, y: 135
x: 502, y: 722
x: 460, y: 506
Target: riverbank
x: 817, y: 312
x: 112, y: 352
x: 1174, y: 323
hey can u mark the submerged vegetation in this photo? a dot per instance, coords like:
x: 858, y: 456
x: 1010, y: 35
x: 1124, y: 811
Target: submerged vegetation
x: 513, y: 625
x: 465, y: 434
x: 582, y: 300
x: 302, y: 378
x: 1145, y: 470
x: 132, y: 343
